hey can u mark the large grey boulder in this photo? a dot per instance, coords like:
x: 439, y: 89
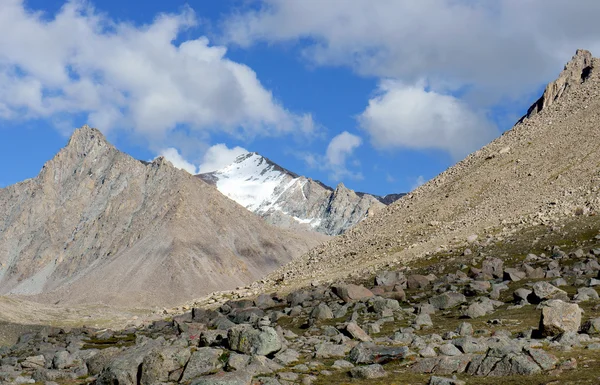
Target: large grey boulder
x: 390, y: 278
x: 357, y: 332
x: 560, y: 317
x: 123, y: 368
x: 369, y: 353
x: 368, y: 372
x: 248, y: 340
x: 163, y: 365
x: 417, y: 281
x: 202, y: 362
x: 447, y: 300
x: 544, y: 291
x: 350, y: 292
x: 321, y: 312
x: 493, y: 267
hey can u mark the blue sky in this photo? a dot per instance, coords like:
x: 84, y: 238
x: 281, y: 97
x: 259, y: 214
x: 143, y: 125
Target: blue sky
x: 378, y: 95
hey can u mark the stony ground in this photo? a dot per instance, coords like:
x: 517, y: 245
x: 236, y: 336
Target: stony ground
x: 520, y: 310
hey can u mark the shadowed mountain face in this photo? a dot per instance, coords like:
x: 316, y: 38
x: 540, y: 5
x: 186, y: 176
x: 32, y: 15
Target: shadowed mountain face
x: 288, y: 200
x: 545, y: 168
x: 99, y: 226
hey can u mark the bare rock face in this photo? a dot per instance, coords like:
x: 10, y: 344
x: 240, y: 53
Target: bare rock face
x: 99, y: 226
x: 575, y: 72
x: 288, y: 200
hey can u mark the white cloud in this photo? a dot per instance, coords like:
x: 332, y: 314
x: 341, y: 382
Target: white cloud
x: 120, y: 75
x: 340, y: 147
x: 219, y: 156
x: 411, y: 117
x: 495, y: 48
x: 173, y: 156
x: 334, y: 161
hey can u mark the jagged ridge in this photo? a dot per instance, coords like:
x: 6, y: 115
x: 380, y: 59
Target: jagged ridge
x: 288, y: 200
x: 99, y: 226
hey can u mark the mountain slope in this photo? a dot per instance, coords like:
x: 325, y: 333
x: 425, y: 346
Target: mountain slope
x: 546, y: 167
x: 288, y: 200
x: 99, y: 226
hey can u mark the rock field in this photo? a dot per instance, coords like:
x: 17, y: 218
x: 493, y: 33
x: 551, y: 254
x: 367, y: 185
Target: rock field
x: 501, y: 312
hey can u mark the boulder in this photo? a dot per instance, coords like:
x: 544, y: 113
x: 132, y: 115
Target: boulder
x: 449, y: 350
x: 368, y: 372
x: 591, y: 326
x: 321, y: 312
x: 521, y: 295
x: 586, y: 294
x: 512, y: 274
x: 357, y: 333
x: 544, y: 291
x: 163, y: 365
x: 560, y: 317
x: 369, y: 353
x: 264, y: 301
x: 349, y: 292
x: 493, y: 267
x: 202, y: 362
x: 390, y: 278
x: 123, y: 368
x: 417, y: 281
x: 447, y: 300
x: 248, y: 340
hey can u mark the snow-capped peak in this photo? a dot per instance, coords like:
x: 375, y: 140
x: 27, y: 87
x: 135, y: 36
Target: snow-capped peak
x: 288, y: 200
x: 253, y: 181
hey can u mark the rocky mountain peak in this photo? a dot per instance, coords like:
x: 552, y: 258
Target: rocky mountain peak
x: 97, y: 225
x: 85, y: 138
x: 575, y: 72
x: 288, y: 200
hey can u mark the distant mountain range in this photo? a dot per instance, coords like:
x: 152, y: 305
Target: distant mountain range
x: 288, y: 200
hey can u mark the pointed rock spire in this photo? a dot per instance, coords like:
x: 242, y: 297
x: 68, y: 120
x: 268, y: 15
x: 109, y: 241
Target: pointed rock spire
x: 576, y: 71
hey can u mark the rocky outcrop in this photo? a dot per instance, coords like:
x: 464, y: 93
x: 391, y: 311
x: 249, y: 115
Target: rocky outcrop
x: 575, y: 72
x: 99, y: 226
x: 287, y: 200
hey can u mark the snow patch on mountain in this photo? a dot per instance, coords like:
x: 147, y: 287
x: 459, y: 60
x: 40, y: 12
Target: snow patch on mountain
x: 288, y: 200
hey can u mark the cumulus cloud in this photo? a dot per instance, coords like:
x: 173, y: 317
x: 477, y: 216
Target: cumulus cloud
x: 412, y: 117
x: 502, y: 47
x: 472, y: 56
x: 340, y: 147
x: 336, y: 158
x: 147, y: 78
x: 219, y: 156
x: 173, y: 156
